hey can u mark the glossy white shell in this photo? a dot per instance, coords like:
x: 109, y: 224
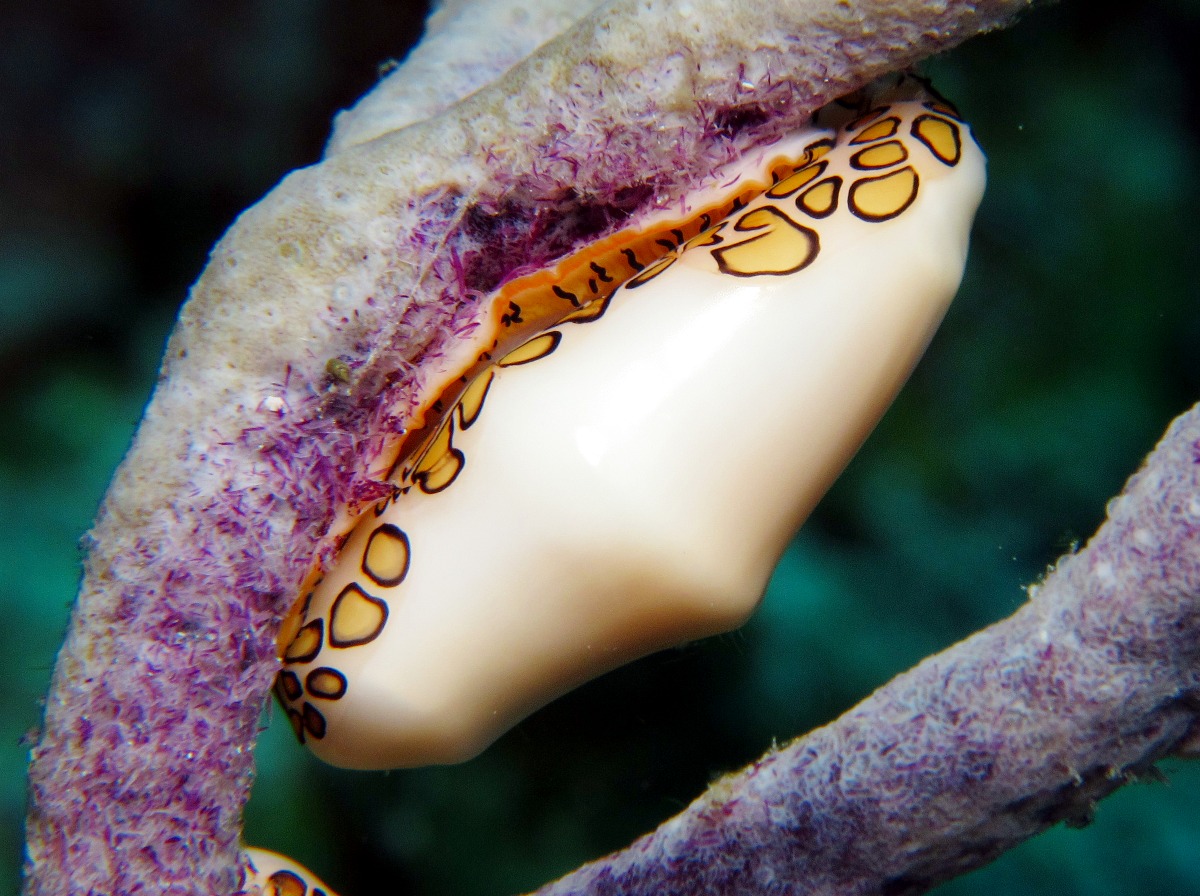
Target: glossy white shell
x: 634, y: 487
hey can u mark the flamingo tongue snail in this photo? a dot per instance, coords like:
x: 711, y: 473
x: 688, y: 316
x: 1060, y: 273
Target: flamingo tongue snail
x: 639, y: 433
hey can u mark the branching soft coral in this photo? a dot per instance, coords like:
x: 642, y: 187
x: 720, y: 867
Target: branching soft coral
x: 252, y: 451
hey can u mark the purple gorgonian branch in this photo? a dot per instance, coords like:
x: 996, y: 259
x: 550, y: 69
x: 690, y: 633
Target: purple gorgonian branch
x: 371, y: 266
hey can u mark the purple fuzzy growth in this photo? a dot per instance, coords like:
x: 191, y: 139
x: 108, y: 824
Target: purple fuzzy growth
x: 1021, y: 726
x: 144, y: 762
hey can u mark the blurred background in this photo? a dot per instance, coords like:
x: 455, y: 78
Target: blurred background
x: 133, y: 134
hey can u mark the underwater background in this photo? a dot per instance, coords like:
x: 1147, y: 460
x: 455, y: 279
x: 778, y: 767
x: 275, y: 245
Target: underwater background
x: 133, y: 134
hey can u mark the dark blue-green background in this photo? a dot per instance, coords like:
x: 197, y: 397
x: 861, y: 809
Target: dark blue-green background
x: 133, y: 132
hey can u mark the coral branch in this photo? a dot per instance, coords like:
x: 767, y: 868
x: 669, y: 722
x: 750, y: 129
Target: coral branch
x: 1025, y: 724
x: 377, y: 259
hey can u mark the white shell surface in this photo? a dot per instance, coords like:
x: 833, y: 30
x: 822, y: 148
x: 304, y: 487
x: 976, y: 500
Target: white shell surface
x: 633, y: 488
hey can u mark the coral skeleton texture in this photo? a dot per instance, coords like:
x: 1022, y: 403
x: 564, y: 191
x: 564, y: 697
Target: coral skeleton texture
x: 379, y: 259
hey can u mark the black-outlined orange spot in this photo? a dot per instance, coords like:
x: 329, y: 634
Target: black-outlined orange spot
x: 818, y: 148
x: 307, y: 643
x: 880, y: 130
x: 292, y: 622
x: 797, y: 181
x: 881, y: 155
x: 590, y: 312
x: 356, y: 618
x: 314, y: 722
x: 821, y: 199
x: 941, y: 136
x: 943, y: 107
x: 650, y: 271
x: 780, y: 245
x: 441, y: 463
x: 386, y: 557
x: 472, y: 400
x: 285, y: 883
x: 326, y: 683
x: 536, y: 348
x: 884, y: 197
x: 289, y: 685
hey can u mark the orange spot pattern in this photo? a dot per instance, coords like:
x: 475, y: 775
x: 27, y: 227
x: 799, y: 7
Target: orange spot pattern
x: 878, y: 182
